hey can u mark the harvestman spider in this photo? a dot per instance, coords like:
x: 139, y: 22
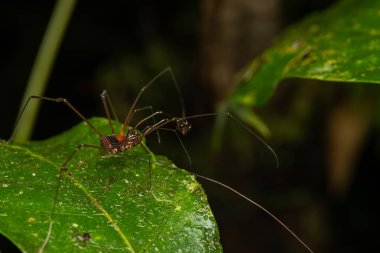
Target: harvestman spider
x: 129, y: 137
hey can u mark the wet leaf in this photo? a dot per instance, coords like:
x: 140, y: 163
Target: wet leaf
x: 340, y: 44
x: 104, y: 204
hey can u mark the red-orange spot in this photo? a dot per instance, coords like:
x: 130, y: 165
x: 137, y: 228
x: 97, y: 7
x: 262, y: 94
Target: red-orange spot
x: 120, y: 137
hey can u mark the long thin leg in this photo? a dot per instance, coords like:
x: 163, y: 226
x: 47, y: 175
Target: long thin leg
x: 148, y: 129
x: 241, y: 124
x: 257, y: 205
x: 169, y: 70
x: 107, y: 102
x: 147, y: 118
x: 150, y: 116
x: 63, y: 169
x: 180, y: 141
x: 150, y: 167
x: 184, y: 126
x: 107, y: 98
x: 158, y: 126
x: 57, y: 100
x: 76, y: 149
x: 178, y: 91
x: 170, y: 166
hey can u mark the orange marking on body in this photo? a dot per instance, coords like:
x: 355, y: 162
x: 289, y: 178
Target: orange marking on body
x: 120, y: 137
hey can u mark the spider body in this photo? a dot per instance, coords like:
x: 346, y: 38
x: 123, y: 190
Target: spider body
x: 115, y: 144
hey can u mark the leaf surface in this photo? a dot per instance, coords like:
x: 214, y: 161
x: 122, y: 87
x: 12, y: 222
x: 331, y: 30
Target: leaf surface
x: 339, y: 44
x: 103, y: 204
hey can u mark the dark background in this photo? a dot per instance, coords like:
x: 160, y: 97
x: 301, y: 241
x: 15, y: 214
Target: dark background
x: 122, y: 45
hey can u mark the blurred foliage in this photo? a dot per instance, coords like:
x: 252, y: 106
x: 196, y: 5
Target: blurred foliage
x: 42, y: 66
x: 339, y: 44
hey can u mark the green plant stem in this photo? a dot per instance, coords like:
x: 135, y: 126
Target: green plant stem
x: 43, y: 65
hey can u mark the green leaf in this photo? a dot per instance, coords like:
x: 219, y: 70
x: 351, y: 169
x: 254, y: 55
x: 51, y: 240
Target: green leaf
x: 103, y: 204
x: 340, y: 44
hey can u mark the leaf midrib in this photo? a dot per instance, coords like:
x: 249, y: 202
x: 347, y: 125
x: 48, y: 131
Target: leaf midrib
x: 80, y: 186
